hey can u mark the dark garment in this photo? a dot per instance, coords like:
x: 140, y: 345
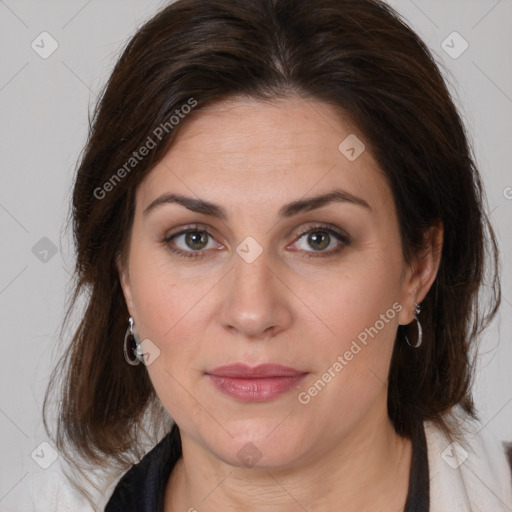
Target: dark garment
x: 142, y: 487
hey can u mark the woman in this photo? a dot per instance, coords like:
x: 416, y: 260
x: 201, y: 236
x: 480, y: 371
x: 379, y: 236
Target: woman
x: 282, y: 234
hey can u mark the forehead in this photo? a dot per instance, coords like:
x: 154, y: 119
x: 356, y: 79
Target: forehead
x: 274, y: 131
x: 251, y: 152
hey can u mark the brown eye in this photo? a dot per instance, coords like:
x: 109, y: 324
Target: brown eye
x: 191, y: 242
x: 196, y: 240
x: 321, y: 241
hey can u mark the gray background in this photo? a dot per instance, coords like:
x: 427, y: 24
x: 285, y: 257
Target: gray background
x: 44, y: 105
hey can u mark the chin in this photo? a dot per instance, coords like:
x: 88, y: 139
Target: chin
x: 263, y: 444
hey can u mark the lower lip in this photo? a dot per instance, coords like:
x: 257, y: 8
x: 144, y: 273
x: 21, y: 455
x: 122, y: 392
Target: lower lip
x: 258, y: 389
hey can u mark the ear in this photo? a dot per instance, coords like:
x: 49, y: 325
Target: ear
x: 124, y: 278
x: 420, y: 274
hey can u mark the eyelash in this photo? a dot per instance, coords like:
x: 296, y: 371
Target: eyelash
x: 344, y: 239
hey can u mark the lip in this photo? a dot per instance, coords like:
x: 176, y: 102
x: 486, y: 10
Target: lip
x: 255, y: 384
x: 243, y: 371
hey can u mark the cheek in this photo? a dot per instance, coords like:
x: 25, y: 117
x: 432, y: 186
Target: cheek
x: 170, y: 316
x: 354, y: 340
x: 358, y: 301
x: 163, y: 299
x: 168, y: 312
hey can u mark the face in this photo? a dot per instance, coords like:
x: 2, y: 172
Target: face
x: 249, y: 269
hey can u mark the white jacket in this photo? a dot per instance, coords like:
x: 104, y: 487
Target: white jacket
x: 471, y: 476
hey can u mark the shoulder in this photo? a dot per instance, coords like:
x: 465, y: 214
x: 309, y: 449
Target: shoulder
x: 472, y: 472
x: 49, y: 490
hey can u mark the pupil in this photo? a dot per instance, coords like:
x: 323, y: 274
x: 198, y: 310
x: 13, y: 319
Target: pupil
x: 196, y: 238
x: 316, y: 239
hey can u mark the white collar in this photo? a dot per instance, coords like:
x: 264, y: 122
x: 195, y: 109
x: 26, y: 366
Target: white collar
x: 469, y: 475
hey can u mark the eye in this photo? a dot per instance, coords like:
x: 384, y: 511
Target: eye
x: 191, y: 242
x: 324, y: 241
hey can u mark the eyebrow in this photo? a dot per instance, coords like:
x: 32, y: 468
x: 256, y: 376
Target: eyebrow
x: 288, y: 210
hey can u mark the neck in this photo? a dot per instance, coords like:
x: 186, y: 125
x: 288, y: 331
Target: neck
x: 367, y: 471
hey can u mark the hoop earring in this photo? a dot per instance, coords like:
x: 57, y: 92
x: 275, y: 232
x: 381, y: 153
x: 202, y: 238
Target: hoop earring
x: 417, y: 310
x: 134, y: 345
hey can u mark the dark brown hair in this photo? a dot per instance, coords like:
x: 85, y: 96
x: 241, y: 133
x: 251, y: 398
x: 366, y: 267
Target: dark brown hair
x: 355, y: 55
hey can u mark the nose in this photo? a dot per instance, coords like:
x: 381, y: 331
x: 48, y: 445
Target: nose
x: 255, y: 301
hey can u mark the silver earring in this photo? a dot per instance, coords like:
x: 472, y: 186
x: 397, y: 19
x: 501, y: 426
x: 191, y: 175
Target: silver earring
x: 417, y: 310
x: 131, y: 339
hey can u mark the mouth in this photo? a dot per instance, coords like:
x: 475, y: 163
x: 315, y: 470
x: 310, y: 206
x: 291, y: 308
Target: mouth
x: 255, y: 384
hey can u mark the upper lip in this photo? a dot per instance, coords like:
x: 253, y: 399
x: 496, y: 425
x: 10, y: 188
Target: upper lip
x: 242, y: 371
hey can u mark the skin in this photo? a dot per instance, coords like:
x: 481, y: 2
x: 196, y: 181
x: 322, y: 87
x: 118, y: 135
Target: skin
x: 339, y: 451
